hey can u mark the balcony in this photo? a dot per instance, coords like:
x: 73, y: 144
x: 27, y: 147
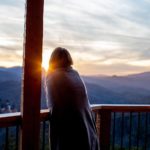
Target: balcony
x: 119, y: 127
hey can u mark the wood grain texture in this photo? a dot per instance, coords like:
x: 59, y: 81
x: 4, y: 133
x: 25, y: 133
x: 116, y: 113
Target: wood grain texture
x: 31, y: 86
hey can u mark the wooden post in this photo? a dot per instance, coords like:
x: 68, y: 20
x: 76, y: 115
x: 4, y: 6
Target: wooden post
x: 105, y: 128
x: 31, y: 87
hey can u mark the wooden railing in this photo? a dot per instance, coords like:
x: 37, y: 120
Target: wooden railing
x: 118, y: 126
x: 118, y: 123
x: 14, y: 119
x: 9, y: 126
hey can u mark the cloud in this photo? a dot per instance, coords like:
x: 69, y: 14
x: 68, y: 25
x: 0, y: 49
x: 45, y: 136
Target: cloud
x: 103, y: 36
x: 11, y: 32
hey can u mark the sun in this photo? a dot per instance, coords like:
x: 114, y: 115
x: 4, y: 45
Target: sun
x: 45, y: 60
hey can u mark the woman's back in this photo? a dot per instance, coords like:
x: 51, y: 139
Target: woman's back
x: 67, y: 89
x: 71, y: 122
x: 72, y: 125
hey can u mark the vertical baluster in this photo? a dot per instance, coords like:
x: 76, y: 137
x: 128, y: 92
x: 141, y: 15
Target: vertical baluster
x: 138, y: 130
x: 98, y: 123
x: 6, y: 139
x: 105, y: 127
x: 113, y: 140
x: 122, y: 130
x: 17, y: 134
x: 130, y: 128
x: 146, y: 130
x: 43, y: 135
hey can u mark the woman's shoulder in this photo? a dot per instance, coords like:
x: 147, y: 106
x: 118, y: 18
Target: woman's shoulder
x: 62, y: 73
x: 65, y: 71
x: 52, y: 76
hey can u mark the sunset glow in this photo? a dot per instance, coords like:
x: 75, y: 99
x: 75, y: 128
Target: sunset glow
x: 45, y: 60
x: 112, y: 37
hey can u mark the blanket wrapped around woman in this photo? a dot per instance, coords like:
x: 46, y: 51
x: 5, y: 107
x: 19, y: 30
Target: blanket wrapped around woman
x: 71, y: 122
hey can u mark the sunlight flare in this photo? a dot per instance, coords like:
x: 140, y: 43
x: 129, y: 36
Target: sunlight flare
x: 45, y: 60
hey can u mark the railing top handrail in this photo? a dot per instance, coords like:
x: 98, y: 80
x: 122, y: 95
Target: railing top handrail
x: 121, y: 107
x: 12, y: 119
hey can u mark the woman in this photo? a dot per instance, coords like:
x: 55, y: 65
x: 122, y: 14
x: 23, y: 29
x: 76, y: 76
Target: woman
x: 71, y: 123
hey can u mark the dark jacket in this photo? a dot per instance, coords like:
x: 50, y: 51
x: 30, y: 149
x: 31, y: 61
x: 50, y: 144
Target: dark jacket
x: 71, y: 123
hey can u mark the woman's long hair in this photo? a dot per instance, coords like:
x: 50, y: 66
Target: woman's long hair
x: 60, y: 58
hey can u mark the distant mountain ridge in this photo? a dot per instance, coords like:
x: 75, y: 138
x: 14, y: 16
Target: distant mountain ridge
x: 130, y: 89
x: 12, y: 73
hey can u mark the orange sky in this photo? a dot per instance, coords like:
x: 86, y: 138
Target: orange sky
x: 103, y: 37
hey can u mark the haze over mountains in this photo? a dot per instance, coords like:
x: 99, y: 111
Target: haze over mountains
x: 131, y: 89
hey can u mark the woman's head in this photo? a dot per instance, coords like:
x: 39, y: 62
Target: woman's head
x: 60, y: 58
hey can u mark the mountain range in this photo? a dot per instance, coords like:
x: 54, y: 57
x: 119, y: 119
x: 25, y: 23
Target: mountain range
x: 130, y: 89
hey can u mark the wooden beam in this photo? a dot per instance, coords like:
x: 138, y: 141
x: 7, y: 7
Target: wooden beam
x: 31, y: 89
x: 105, y: 128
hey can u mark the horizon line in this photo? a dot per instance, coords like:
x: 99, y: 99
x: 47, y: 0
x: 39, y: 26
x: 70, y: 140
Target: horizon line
x: 98, y: 74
